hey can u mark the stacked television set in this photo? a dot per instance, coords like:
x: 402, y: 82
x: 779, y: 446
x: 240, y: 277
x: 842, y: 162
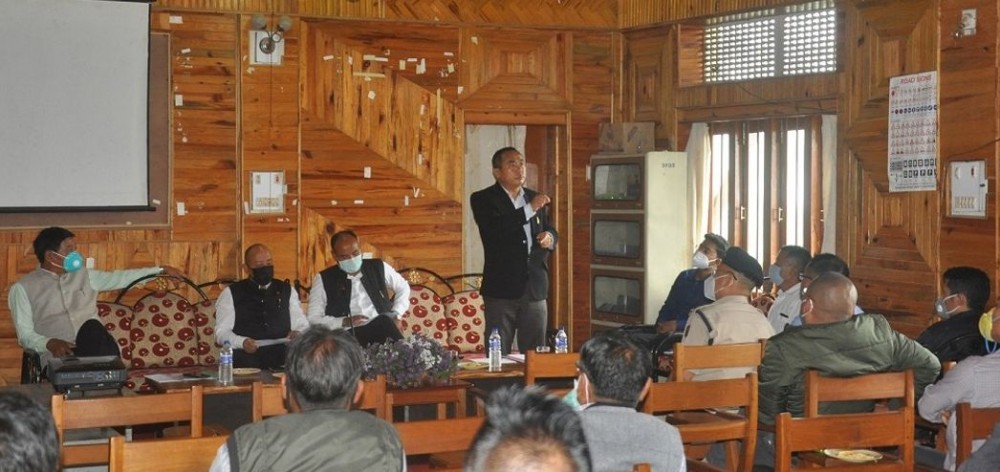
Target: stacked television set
x: 640, y: 234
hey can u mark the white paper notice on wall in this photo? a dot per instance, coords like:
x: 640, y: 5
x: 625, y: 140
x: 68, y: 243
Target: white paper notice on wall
x: 178, y: 100
x: 176, y: 20
x: 371, y: 95
x: 968, y: 189
x: 267, y: 191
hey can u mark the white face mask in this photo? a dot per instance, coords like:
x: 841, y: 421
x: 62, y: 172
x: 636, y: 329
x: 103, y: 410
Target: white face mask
x: 710, y: 286
x: 939, y: 307
x: 701, y: 260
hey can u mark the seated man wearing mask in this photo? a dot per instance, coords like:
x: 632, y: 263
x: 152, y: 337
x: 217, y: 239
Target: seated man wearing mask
x: 731, y: 319
x: 355, y: 294
x: 258, y: 315
x: 688, y: 290
x: 821, y: 264
x: 784, y: 274
x: 972, y: 380
x: 54, y: 307
x: 614, y: 378
x: 957, y: 336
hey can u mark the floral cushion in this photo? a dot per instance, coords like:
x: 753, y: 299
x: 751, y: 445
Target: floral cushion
x: 117, y: 319
x: 161, y: 332
x: 425, y: 315
x: 466, y: 320
x: 207, y: 351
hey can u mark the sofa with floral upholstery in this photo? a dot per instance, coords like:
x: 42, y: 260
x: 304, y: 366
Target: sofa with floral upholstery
x: 159, y: 330
x: 449, y: 310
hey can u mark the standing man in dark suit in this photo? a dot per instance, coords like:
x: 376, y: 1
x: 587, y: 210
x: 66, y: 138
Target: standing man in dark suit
x: 517, y: 239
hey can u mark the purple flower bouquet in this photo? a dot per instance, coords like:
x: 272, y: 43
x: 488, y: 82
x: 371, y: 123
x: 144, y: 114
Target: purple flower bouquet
x: 410, y: 362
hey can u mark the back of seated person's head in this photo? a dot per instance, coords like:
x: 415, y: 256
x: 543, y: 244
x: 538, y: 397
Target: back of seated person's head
x: 826, y: 262
x: 324, y: 367
x: 526, y: 430
x: 28, y: 441
x: 831, y: 297
x: 616, y: 368
x: 798, y: 256
x: 971, y: 282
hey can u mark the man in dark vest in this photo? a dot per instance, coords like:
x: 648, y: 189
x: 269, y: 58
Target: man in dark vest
x: 365, y: 296
x: 321, y: 431
x: 258, y: 315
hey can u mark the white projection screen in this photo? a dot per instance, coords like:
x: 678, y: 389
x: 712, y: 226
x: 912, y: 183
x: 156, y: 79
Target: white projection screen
x: 73, y: 97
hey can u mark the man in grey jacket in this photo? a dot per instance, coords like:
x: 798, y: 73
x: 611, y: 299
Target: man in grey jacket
x: 837, y: 344
x: 614, y: 377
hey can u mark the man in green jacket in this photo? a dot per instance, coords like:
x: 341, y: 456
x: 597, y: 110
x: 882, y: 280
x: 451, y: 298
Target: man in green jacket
x: 837, y: 344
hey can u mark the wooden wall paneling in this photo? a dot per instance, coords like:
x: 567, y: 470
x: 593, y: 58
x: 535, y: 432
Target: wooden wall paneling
x: 596, y: 80
x: 894, y: 256
x: 526, y: 72
x: 968, y: 130
x: 269, y: 141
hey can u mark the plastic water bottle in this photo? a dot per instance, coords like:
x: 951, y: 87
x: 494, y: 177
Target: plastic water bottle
x: 226, y: 364
x: 562, y: 341
x: 495, y: 352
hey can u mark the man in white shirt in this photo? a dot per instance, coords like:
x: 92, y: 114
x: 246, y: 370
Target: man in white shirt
x: 258, y: 315
x: 54, y: 307
x: 784, y: 274
x: 355, y: 294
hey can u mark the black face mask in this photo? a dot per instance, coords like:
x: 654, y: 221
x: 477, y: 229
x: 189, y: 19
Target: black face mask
x: 263, y: 275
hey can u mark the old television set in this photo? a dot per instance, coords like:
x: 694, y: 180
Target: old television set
x: 617, y: 239
x: 617, y: 182
x: 618, y: 295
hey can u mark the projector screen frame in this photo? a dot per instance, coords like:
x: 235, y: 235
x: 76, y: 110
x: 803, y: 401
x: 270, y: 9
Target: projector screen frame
x: 160, y: 168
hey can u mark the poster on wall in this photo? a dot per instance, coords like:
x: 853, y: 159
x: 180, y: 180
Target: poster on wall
x: 913, y: 106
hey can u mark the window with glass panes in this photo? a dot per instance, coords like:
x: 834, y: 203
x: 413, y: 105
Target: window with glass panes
x: 764, y: 184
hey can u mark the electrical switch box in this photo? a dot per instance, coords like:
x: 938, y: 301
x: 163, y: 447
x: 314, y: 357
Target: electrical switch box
x: 968, y: 189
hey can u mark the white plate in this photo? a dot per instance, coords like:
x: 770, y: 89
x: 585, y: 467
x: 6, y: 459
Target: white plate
x: 246, y: 371
x: 856, y: 456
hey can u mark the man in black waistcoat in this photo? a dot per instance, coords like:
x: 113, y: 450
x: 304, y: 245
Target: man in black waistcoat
x: 258, y: 315
x: 365, y: 296
x: 517, y: 239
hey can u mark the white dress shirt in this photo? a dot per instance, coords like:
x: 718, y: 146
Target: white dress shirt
x: 225, y: 318
x: 787, y: 306
x: 529, y: 212
x: 361, y: 304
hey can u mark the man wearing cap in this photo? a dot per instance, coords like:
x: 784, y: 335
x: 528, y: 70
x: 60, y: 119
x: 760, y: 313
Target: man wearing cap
x: 688, y: 291
x: 731, y: 319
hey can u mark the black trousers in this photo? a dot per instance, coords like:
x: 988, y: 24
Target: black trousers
x: 93, y: 340
x: 377, y: 331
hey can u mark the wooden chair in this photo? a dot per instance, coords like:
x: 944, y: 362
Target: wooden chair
x: 848, y: 431
x: 972, y: 424
x: 164, y: 455
x: 694, y: 408
x: 104, y: 412
x: 438, y: 437
x: 267, y: 400
x: 549, y: 366
x: 717, y: 356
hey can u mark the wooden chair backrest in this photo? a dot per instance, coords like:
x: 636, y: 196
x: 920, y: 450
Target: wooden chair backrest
x: 267, y: 400
x: 971, y: 424
x: 716, y: 356
x: 850, y: 431
x: 879, y: 386
x: 164, y: 455
x: 128, y: 410
x: 550, y: 366
x: 438, y: 436
x: 861, y: 430
x: 675, y: 397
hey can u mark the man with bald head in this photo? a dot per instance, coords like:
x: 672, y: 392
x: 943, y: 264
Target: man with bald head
x: 837, y: 344
x: 258, y: 314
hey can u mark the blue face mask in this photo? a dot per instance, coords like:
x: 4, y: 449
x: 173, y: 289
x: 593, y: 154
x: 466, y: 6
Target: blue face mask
x: 351, y: 265
x: 71, y: 262
x: 774, y: 273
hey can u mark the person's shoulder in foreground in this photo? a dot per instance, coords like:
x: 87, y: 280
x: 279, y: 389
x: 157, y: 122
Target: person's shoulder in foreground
x: 528, y: 431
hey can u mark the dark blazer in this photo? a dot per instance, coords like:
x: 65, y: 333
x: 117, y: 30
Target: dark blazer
x: 508, y: 269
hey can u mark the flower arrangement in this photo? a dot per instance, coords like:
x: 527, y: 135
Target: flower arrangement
x: 410, y: 362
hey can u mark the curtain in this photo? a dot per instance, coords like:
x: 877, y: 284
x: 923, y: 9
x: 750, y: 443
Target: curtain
x: 699, y: 151
x: 829, y: 162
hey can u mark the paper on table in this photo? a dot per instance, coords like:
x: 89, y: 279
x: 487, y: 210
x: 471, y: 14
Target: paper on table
x: 516, y: 357
x: 164, y: 378
x: 486, y: 360
x: 271, y: 342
